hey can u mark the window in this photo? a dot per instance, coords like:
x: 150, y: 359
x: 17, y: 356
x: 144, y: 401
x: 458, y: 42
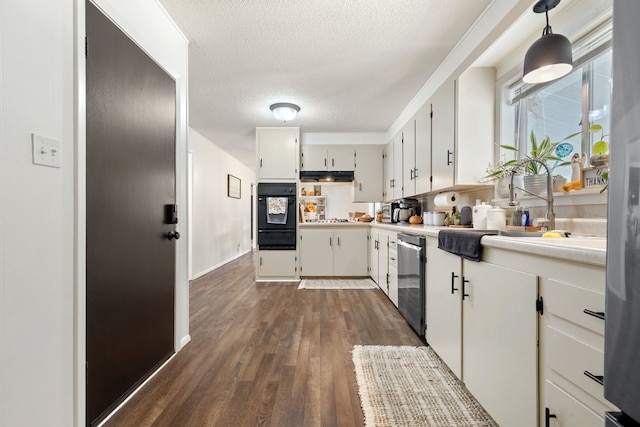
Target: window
x: 557, y: 109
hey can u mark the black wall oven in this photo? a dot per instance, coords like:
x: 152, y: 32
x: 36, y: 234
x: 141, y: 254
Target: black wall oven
x: 277, y: 207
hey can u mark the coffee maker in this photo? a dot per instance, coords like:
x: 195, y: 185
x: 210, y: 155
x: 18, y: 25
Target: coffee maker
x: 405, y: 209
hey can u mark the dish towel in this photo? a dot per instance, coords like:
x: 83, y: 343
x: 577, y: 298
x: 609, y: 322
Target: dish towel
x: 277, y: 210
x: 464, y: 243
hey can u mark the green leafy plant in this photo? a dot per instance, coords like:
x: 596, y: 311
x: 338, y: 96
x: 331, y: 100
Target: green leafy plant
x: 545, y: 151
x: 600, y: 146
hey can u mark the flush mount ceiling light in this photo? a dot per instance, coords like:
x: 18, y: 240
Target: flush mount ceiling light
x: 550, y: 56
x: 284, y: 111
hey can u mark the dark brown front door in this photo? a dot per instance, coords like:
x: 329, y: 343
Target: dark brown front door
x: 130, y: 182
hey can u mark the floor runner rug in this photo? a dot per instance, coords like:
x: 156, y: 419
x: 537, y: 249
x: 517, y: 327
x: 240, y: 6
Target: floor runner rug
x: 411, y: 386
x: 337, y: 284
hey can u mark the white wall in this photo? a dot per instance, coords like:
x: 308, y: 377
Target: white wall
x: 36, y: 221
x: 42, y: 222
x: 221, y: 224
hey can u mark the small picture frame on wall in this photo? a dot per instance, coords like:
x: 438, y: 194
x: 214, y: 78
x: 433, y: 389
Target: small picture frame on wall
x: 233, y: 186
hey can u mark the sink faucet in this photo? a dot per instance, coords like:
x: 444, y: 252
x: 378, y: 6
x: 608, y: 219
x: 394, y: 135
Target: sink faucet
x: 550, y: 215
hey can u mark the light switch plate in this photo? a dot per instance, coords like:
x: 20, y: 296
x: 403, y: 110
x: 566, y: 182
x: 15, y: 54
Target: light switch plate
x: 46, y: 151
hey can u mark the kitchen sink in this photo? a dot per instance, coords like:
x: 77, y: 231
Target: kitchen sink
x: 519, y: 233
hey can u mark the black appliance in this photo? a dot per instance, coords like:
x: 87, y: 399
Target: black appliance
x: 411, y: 278
x: 277, y: 208
x: 326, y: 176
x: 387, y: 210
x: 622, y: 307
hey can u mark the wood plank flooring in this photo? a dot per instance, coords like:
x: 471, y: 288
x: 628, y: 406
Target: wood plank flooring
x: 267, y: 354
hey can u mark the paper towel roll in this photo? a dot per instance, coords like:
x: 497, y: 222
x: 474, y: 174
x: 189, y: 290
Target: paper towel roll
x: 446, y: 199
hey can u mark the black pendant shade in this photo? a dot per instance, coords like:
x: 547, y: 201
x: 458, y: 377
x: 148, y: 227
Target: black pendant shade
x: 550, y: 57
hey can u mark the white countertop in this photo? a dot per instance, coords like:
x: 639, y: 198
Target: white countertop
x: 588, y: 250
x: 334, y: 224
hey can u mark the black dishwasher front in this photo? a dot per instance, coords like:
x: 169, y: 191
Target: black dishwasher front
x: 411, y: 278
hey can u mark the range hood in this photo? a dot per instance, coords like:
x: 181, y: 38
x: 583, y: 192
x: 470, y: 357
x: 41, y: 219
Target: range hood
x: 326, y: 176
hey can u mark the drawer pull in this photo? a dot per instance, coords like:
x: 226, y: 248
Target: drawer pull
x: 598, y: 314
x: 464, y: 293
x: 597, y: 378
x: 547, y: 417
x: 453, y: 276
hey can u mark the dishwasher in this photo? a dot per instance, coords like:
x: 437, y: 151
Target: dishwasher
x: 411, y: 280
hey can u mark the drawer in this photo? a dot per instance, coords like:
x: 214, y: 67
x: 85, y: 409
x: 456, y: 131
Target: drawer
x: 569, y: 302
x: 393, y: 259
x: 570, y: 358
x: 568, y: 411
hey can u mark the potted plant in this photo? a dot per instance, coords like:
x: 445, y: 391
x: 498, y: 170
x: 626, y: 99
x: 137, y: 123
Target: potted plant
x: 535, y: 180
x: 500, y: 173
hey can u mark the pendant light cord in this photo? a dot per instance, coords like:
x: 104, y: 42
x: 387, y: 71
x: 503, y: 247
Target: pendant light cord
x: 547, y: 30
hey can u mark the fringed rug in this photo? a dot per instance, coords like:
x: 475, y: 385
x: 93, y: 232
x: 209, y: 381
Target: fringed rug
x: 337, y: 284
x: 411, y: 386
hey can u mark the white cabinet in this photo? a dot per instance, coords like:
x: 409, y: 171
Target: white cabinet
x: 398, y: 158
x: 368, y: 173
x: 313, y: 157
x: 572, y: 345
x: 379, y: 259
x: 408, y: 158
x: 444, y: 307
x: 417, y: 153
x: 500, y: 337
x: 339, y: 251
x: 393, y: 268
x: 316, y: 252
x: 277, y: 153
x: 276, y: 265
x: 327, y: 157
x: 443, y: 140
x: 388, y: 172
x: 463, y: 128
x: 350, y: 253
x: 422, y: 165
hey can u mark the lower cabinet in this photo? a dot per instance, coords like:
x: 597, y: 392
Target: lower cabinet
x: 444, y: 307
x: 393, y: 268
x: 483, y: 323
x: 500, y: 341
x: 276, y: 265
x: 340, y: 251
x: 572, y: 344
x: 379, y: 259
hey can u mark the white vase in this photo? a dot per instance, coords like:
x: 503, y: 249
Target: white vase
x: 501, y: 188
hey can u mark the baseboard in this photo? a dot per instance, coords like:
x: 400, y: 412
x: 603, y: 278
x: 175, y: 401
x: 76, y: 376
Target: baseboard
x: 124, y: 402
x: 210, y: 269
x: 184, y: 341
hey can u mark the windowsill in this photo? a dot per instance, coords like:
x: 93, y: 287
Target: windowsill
x: 588, y: 196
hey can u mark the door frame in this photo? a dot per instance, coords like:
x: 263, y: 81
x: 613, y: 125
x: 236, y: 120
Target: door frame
x: 158, y: 36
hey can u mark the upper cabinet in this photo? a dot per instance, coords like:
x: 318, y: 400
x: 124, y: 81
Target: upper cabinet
x: 463, y: 128
x: 388, y: 171
x: 369, y: 164
x: 327, y: 158
x: 417, y: 153
x: 277, y: 153
x: 398, y: 159
x: 443, y: 140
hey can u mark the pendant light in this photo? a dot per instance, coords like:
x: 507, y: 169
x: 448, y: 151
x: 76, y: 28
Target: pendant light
x: 550, y: 57
x: 284, y: 111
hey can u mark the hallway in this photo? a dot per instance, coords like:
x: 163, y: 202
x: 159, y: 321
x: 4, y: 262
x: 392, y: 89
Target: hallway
x: 266, y: 354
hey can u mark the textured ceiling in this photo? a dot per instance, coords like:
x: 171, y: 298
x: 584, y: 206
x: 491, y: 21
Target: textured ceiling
x: 352, y: 66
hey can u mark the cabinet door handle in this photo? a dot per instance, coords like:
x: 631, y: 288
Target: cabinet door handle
x: 411, y: 175
x: 360, y: 186
x: 547, y: 417
x: 464, y: 292
x: 415, y: 173
x: 330, y: 241
x: 260, y: 260
x: 260, y: 162
x: 449, y: 153
x: 453, y: 276
x: 598, y: 314
x: 333, y: 162
x: 597, y: 378
x: 325, y: 162
x: 338, y: 241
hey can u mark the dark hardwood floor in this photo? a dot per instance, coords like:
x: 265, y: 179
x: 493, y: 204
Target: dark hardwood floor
x: 267, y: 354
